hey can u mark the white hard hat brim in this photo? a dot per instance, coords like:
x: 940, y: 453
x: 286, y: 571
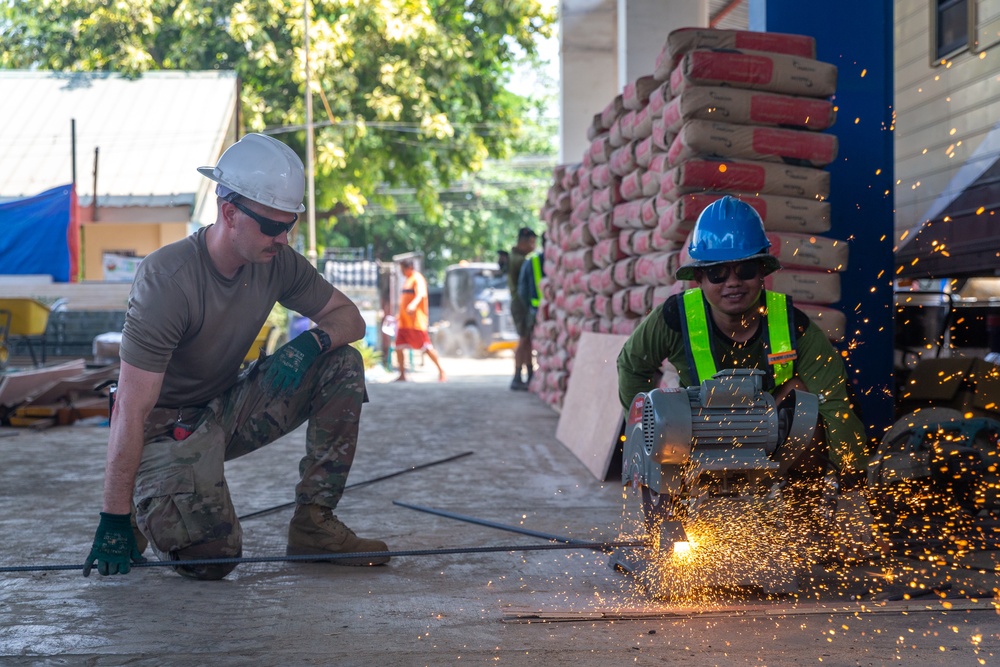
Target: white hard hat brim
x: 209, y: 172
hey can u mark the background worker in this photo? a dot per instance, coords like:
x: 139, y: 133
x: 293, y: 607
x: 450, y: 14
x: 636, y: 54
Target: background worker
x: 526, y: 239
x: 183, y: 407
x: 413, y: 320
x: 529, y: 289
x: 730, y: 321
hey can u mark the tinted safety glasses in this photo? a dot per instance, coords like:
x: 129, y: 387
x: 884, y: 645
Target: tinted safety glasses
x: 268, y: 227
x: 719, y: 273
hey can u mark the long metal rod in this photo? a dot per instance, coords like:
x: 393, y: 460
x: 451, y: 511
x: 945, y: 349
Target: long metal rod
x: 360, y: 484
x: 602, y: 546
x: 493, y: 524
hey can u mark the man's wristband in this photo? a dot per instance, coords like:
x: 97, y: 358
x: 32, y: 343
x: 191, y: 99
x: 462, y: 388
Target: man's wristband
x: 324, y: 339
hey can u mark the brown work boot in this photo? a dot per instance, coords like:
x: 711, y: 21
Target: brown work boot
x: 315, y: 530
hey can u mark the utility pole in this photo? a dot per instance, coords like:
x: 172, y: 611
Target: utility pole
x: 311, y: 254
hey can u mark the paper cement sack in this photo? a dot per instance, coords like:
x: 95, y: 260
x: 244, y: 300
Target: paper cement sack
x: 832, y: 321
x: 607, y: 252
x: 640, y: 241
x: 632, y: 186
x: 619, y: 303
x: 699, y: 138
x: 628, y: 215
x: 645, y: 150
x: 780, y: 214
x: 683, y: 40
x: 656, y: 269
x: 753, y: 176
x: 636, y: 93
x: 650, y: 182
x: 623, y: 326
x: 640, y: 299
x: 773, y: 72
x: 805, y: 286
x: 579, y: 260
x: 735, y: 105
x: 600, y: 227
x: 623, y: 273
x: 805, y: 251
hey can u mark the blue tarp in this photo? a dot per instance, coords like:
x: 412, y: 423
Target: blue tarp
x: 34, y: 234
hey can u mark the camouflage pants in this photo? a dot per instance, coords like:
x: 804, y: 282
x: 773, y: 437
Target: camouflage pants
x: 181, y: 496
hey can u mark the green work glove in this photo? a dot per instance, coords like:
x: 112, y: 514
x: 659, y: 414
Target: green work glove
x: 290, y: 363
x: 114, y: 547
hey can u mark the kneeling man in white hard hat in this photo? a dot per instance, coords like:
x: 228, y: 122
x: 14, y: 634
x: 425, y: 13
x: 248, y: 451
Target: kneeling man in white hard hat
x: 183, y: 407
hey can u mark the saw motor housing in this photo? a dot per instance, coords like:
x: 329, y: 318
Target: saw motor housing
x: 726, y: 437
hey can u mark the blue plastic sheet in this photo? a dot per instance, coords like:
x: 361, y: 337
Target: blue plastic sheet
x: 34, y: 234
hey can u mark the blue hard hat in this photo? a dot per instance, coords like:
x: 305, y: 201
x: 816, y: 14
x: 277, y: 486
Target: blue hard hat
x: 728, y: 230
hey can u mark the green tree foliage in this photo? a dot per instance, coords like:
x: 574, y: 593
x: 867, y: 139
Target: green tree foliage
x: 480, y: 214
x: 409, y: 94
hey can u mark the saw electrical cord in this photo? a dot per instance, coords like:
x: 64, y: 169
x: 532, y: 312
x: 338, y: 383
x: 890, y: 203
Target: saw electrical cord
x: 598, y: 546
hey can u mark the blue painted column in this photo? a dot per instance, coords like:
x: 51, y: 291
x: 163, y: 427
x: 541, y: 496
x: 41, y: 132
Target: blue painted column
x: 857, y: 37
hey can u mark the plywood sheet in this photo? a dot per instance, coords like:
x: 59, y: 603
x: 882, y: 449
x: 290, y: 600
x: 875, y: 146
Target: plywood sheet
x: 17, y: 386
x: 591, y: 414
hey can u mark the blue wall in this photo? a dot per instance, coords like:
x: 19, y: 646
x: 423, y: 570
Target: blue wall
x: 857, y: 37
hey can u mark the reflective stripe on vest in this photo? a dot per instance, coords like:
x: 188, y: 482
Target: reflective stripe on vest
x: 698, y: 339
x: 536, y: 270
x: 781, y: 353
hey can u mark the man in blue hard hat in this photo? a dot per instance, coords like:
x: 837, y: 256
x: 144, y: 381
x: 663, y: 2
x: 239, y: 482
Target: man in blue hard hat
x: 730, y: 321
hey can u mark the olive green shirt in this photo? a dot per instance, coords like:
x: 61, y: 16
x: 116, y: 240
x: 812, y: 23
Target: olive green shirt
x: 658, y: 337
x: 188, y: 321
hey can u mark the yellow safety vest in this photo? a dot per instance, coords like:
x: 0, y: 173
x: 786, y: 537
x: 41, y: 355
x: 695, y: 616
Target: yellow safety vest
x: 536, y: 270
x: 779, y: 342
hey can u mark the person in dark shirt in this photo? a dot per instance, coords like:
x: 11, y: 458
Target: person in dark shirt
x: 526, y: 239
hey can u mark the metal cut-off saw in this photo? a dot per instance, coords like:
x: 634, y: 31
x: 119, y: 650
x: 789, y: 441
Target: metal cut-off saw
x: 687, y: 450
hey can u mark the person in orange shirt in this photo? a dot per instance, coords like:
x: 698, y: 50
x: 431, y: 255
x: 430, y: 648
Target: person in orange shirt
x: 413, y: 321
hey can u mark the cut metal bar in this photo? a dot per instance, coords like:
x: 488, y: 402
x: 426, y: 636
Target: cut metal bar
x: 762, y: 610
x: 499, y: 526
x: 602, y: 546
x: 251, y: 515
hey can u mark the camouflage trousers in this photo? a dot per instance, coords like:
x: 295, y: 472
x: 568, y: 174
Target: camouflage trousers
x: 181, y: 497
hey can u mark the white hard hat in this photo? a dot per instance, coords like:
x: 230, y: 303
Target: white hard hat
x: 263, y: 169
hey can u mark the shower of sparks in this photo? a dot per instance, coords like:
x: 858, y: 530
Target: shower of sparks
x: 920, y: 538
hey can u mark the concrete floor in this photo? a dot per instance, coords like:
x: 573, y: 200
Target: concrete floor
x: 430, y: 610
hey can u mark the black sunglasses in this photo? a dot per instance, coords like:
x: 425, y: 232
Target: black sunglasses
x: 719, y: 273
x: 268, y: 227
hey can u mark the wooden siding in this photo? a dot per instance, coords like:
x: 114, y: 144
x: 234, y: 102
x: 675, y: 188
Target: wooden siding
x: 943, y: 113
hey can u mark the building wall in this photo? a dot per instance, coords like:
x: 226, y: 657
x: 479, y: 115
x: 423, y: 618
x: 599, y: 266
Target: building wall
x: 138, y: 238
x: 945, y: 112
x: 605, y: 44
x: 589, y: 69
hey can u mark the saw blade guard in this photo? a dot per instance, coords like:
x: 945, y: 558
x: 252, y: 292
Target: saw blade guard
x: 727, y: 424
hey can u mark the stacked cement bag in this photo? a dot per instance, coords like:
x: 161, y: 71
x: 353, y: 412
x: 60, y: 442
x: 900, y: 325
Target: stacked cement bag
x: 747, y: 111
x: 551, y: 339
x: 724, y: 112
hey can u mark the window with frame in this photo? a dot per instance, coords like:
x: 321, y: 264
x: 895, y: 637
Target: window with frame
x: 951, y: 27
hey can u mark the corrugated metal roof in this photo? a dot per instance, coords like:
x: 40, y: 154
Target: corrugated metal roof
x: 152, y: 133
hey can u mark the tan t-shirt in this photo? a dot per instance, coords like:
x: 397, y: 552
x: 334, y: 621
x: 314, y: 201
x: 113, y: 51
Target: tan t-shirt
x: 191, y: 323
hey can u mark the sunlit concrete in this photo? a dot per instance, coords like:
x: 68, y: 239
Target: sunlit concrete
x: 432, y: 610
